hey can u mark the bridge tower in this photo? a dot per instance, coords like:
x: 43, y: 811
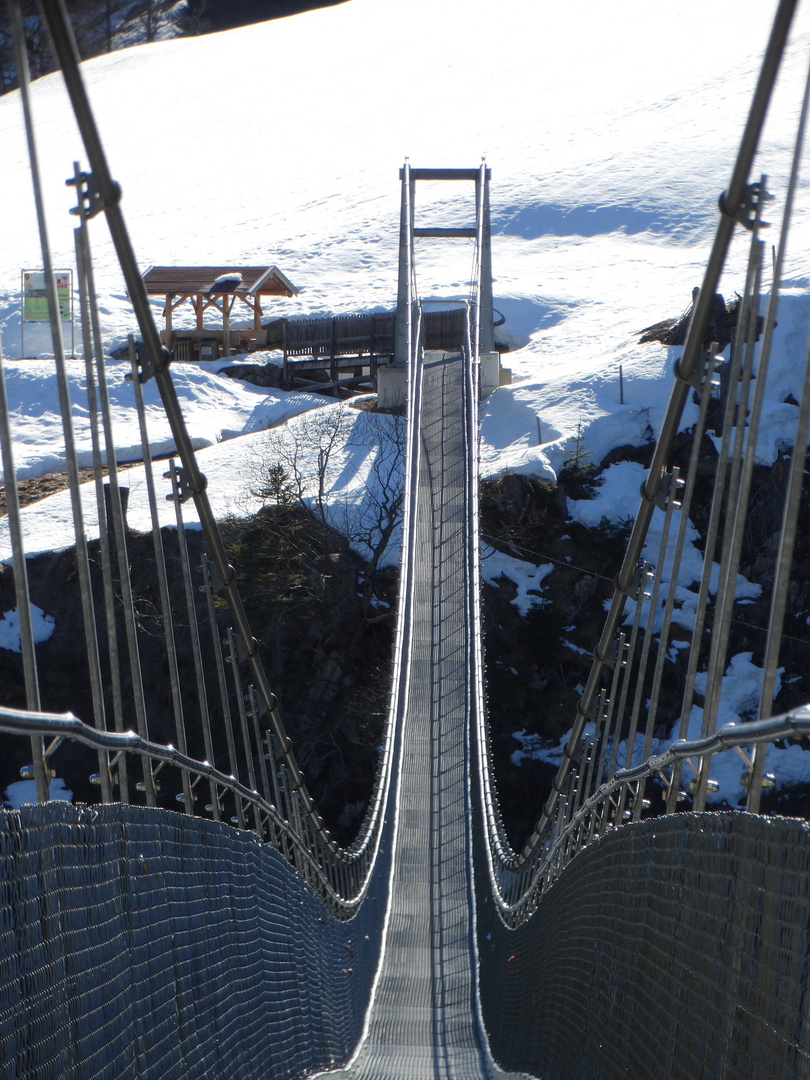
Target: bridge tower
x: 408, y: 232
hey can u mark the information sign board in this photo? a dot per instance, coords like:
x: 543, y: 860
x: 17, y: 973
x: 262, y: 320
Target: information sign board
x: 35, y: 299
x: 35, y: 314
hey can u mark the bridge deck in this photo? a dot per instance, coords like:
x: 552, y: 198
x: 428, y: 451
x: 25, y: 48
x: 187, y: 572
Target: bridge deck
x: 424, y: 1019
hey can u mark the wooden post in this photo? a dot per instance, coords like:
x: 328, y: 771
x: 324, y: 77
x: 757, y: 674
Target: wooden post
x: 169, y: 321
x: 286, y: 376
x: 333, y: 371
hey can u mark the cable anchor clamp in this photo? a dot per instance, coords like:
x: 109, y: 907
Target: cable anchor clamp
x: 90, y: 200
x: 184, y: 489
x: 670, y: 486
x: 610, y: 658
x: 244, y: 650
x: 143, y: 359
x: 704, y: 371
x: 217, y: 582
x: 745, y: 213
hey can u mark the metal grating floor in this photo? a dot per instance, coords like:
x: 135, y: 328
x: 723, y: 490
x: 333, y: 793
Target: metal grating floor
x: 424, y: 1022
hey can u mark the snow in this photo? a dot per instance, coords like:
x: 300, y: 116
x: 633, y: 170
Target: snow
x: 526, y: 577
x: 42, y: 625
x: 610, y: 498
x: 25, y: 791
x: 609, y: 134
x: 230, y: 279
x: 216, y: 408
x: 739, y: 699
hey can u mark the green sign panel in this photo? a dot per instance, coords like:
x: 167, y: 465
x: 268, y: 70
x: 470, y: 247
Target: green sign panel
x: 35, y: 299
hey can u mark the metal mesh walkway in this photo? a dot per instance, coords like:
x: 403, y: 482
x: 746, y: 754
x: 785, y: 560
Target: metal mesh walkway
x: 424, y: 1017
x: 133, y: 942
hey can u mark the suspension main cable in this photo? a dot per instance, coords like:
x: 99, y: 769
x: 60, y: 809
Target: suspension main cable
x: 796, y: 473
x: 71, y: 464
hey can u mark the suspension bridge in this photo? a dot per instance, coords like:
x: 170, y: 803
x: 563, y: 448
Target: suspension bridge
x: 635, y: 933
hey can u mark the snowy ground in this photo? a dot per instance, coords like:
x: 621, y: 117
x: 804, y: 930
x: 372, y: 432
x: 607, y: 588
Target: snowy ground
x: 610, y: 131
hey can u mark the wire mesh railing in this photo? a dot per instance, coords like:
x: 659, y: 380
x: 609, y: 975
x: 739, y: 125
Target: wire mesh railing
x: 247, y: 767
x: 600, y: 784
x: 610, y: 773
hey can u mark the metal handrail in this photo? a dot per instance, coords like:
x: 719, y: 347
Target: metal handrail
x: 511, y: 871
x: 734, y: 207
x: 67, y: 726
x: 559, y: 850
x: 99, y: 192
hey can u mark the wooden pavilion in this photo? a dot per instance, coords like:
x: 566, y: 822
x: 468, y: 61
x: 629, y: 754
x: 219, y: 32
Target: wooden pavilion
x: 217, y: 287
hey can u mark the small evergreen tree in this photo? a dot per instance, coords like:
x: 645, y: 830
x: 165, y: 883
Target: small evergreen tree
x: 275, y: 487
x: 578, y: 474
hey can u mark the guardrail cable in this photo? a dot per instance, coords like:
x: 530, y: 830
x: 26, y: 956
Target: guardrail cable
x: 797, y: 464
x: 590, y: 794
x: 728, y: 507
x: 82, y: 560
x: 27, y: 647
x: 105, y: 779
x: 162, y: 577
x: 268, y: 754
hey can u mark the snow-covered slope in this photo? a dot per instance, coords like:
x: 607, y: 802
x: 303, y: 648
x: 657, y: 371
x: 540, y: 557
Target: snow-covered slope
x: 610, y: 131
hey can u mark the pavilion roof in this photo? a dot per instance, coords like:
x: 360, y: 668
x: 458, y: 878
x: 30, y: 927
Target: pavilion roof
x: 244, y: 281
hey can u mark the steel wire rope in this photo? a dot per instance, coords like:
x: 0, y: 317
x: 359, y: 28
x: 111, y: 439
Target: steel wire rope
x: 475, y: 697
x: 547, y: 558
x: 490, y: 807
x: 21, y: 589
x: 735, y: 206
x: 165, y: 596
x: 105, y: 778
x: 792, y: 500
x: 106, y: 196
x: 646, y: 647
x: 728, y: 504
x: 94, y: 360
x: 82, y: 559
x: 90, y: 343
x: 638, y: 595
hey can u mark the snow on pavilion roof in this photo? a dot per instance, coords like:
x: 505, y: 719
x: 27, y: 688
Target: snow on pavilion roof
x: 244, y: 281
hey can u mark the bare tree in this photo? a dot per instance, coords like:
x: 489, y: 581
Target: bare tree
x: 305, y: 450
x: 300, y: 461
x: 374, y: 522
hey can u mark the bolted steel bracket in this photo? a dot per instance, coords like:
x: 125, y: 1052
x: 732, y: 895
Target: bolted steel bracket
x: 218, y: 585
x: 609, y: 660
x: 146, y: 368
x: 243, y: 653
x: 184, y: 489
x: 668, y: 490
x: 705, y: 371
x: 642, y: 576
x: 88, y: 196
x: 745, y: 213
